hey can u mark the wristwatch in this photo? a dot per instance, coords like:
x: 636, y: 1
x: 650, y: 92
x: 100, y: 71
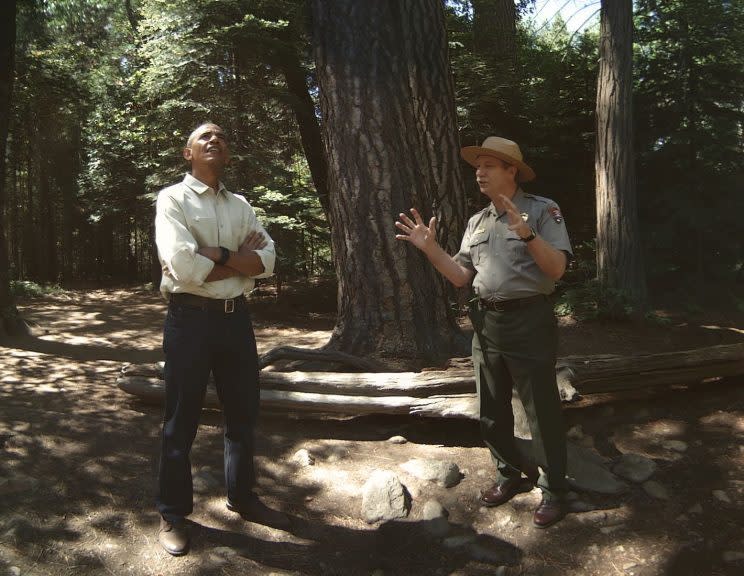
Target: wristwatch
x: 531, y: 237
x: 224, y: 256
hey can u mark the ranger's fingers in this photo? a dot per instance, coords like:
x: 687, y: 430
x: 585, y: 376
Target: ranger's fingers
x: 433, y: 224
x: 403, y: 227
x: 406, y: 220
x: 403, y: 237
x: 417, y: 217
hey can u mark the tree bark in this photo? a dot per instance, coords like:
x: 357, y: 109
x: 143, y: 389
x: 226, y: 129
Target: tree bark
x: 11, y: 321
x: 388, y: 118
x: 619, y: 262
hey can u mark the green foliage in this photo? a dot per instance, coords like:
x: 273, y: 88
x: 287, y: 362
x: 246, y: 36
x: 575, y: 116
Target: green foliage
x: 29, y: 289
x: 689, y: 94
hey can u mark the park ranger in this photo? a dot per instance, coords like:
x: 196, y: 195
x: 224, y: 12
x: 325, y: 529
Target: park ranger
x: 512, y: 251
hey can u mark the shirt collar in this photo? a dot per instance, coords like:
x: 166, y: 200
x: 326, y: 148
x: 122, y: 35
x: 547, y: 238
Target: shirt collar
x: 200, y: 187
x: 517, y: 199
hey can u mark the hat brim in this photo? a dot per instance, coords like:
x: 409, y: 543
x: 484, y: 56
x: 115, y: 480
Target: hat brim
x: 471, y: 153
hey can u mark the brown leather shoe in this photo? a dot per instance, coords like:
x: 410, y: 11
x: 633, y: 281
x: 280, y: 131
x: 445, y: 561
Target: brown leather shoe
x: 174, y: 537
x: 256, y: 511
x: 549, y: 512
x: 504, y: 491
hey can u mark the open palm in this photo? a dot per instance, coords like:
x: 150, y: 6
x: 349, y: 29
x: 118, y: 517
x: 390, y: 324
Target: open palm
x: 415, y: 231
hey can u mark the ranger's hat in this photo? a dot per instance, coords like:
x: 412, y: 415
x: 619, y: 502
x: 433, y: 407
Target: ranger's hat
x: 503, y: 149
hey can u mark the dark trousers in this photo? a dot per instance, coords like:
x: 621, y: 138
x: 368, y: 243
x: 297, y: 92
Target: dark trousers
x: 197, y: 342
x: 517, y: 347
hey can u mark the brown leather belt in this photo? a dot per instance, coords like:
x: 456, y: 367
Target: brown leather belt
x: 213, y: 304
x: 504, y: 305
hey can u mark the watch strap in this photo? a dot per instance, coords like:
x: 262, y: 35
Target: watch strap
x: 531, y: 237
x: 224, y: 256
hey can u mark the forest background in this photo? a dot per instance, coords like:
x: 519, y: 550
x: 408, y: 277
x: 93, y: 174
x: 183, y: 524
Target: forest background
x: 105, y: 92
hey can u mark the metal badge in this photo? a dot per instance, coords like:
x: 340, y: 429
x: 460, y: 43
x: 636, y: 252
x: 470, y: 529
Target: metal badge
x: 525, y: 216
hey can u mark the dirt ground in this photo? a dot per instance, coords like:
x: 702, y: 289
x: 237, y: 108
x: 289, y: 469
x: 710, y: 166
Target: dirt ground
x: 78, y: 465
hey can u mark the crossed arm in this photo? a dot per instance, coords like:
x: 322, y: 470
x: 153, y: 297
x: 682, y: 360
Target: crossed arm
x: 244, y: 262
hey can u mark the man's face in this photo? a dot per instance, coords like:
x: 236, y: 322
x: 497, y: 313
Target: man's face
x: 494, y: 176
x: 207, y: 147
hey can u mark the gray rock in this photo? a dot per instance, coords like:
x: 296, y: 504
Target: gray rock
x: 303, y: 458
x: 458, y: 540
x: 384, y: 497
x: 437, y: 527
x: 14, y: 571
x: 676, y: 445
x: 733, y: 556
x: 397, y: 440
x: 722, y: 496
x: 445, y: 474
x: 433, y: 509
x: 635, y: 468
x: 656, y: 490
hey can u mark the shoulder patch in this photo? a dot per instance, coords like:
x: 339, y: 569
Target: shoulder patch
x: 555, y: 213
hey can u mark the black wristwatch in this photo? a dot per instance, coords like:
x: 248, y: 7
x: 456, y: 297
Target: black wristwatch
x: 224, y: 256
x: 531, y: 237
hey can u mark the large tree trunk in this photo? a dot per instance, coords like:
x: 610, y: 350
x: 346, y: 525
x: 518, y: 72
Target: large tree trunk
x: 10, y: 322
x: 619, y: 264
x: 387, y: 105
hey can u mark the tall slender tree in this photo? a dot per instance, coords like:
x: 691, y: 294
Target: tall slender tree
x: 11, y: 322
x: 388, y: 117
x: 619, y: 265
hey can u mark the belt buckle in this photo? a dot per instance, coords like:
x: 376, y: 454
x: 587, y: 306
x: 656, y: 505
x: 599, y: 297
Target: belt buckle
x: 230, y: 306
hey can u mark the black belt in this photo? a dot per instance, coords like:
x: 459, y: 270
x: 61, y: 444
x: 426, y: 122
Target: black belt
x: 214, y: 304
x: 510, y: 304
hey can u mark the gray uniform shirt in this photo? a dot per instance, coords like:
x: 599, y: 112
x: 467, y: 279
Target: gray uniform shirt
x: 504, y: 268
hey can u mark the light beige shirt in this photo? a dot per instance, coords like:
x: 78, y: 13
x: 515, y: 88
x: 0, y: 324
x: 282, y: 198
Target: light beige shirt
x: 190, y: 215
x: 504, y: 268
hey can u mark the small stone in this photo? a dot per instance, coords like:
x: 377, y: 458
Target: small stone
x: 303, y: 458
x: 635, y: 468
x: 459, y: 540
x: 656, y: 490
x: 433, y: 509
x: 445, y: 474
x: 575, y: 433
x: 397, y: 440
x: 733, y: 556
x: 676, y: 445
x: 722, y: 496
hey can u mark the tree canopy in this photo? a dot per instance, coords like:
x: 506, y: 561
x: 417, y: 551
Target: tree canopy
x: 105, y: 93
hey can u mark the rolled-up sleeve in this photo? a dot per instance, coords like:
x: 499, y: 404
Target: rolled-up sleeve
x: 176, y: 245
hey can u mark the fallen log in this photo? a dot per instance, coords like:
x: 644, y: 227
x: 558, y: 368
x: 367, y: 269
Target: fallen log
x: 451, y: 393
x: 420, y: 384
x: 153, y: 392
x: 598, y: 374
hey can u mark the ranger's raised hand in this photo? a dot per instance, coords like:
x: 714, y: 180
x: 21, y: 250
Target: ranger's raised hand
x: 516, y: 222
x: 416, y: 232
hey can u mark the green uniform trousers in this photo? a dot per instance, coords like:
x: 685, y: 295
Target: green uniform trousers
x: 517, y: 347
